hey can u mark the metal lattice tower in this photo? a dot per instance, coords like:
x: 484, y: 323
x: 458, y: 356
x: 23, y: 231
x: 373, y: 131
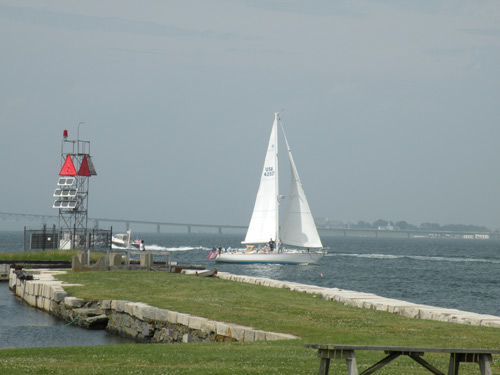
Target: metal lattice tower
x: 71, y: 194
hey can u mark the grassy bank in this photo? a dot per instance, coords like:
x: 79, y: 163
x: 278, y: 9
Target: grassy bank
x: 47, y: 255
x: 314, y: 320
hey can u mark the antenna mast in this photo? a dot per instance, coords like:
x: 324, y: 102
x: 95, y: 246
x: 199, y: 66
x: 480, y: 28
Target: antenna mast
x: 71, y: 194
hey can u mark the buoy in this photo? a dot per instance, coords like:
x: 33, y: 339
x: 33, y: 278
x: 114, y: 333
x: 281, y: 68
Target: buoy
x: 321, y: 274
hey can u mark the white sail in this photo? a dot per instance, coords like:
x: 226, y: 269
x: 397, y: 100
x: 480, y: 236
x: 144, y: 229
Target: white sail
x: 298, y: 227
x: 264, y: 222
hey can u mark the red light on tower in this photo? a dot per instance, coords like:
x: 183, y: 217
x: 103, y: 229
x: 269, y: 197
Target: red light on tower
x: 65, y: 134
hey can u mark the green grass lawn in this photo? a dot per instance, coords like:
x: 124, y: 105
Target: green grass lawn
x: 270, y: 309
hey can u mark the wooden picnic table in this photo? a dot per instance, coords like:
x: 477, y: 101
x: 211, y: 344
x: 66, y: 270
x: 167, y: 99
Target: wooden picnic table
x: 326, y: 352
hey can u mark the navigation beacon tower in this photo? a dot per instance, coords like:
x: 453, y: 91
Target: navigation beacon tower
x: 71, y: 194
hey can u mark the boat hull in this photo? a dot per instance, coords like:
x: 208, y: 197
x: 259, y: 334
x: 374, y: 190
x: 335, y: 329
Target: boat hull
x: 131, y: 246
x: 270, y: 258
x: 119, y: 242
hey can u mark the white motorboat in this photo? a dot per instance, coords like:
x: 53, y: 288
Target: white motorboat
x: 124, y: 240
x: 298, y: 238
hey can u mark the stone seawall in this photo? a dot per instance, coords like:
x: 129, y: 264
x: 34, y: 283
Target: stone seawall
x: 134, y: 320
x: 144, y: 323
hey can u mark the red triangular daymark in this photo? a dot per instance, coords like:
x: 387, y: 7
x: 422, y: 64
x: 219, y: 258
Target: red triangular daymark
x: 68, y: 168
x: 84, y: 168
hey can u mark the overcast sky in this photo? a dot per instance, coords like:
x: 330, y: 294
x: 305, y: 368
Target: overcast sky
x: 391, y: 108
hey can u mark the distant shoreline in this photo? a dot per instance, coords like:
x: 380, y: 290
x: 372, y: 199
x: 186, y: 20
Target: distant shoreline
x: 398, y: 233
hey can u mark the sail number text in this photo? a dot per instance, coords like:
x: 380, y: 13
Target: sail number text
x: 269, y: 171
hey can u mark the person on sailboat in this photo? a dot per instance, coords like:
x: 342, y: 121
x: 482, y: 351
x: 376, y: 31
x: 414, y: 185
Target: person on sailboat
x: 271, y: 245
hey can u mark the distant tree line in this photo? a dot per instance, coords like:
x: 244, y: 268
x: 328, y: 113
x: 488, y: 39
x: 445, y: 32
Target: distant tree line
x: 403, y: 225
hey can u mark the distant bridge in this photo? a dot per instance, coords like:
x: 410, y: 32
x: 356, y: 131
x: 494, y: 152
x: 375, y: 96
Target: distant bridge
x: 335, y: 231
x: 158, y: 224
x: 94, y: 222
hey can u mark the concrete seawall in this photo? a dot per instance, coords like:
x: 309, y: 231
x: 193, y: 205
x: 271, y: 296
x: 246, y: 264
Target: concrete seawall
x: 134, y: 320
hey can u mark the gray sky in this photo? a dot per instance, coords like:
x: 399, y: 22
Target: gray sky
x: 391, y: 107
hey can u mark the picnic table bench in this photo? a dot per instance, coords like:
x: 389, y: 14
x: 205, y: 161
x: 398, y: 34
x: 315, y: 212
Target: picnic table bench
x: 326, y: 352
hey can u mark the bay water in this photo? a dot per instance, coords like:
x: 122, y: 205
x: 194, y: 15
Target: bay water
x: 450, y: 273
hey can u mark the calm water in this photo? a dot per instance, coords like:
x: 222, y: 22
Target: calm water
x: 22, y: 326
x: 452, y: 273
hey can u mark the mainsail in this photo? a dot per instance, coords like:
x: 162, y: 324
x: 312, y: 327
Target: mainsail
x: 264, y: 222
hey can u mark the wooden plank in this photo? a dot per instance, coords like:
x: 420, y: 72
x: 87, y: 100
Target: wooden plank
x: 335, y: 354
x: 408, y: 349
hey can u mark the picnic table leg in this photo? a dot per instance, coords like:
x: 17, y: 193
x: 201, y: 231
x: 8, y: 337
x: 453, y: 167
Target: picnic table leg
x: 483, y: 360
x: 352, y: 368
x: 326, y: 355
x: 324, y: 366
x: 454, y: 364
x: 484, y: 364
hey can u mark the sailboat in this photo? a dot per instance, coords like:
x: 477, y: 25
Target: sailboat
x: 297, y: 240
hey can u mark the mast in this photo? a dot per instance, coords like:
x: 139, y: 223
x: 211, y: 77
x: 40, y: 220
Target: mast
x: 275, y: 129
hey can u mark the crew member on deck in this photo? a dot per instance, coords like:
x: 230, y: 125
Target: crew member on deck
x: 271, y: 245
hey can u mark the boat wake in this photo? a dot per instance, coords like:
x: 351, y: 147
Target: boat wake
x: 154, y: 247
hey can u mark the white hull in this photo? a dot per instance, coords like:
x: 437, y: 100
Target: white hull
x: 275, y: 258
x: 124, y: 245
x: 124, y: 241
